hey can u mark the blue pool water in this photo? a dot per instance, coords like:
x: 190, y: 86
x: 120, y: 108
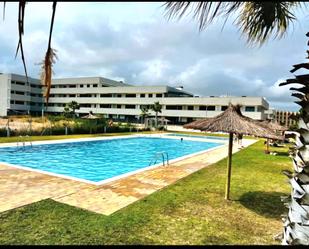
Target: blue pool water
x: 208, y: 137
x: 99, y: 160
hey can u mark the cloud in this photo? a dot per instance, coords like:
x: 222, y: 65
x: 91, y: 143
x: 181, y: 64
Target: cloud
x: 135, y: 43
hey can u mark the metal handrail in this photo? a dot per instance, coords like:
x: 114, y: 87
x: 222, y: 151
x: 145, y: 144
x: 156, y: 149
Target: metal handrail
x: 163, y: 158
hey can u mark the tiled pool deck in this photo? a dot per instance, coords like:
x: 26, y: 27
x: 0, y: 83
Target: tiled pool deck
x: 20, y: 187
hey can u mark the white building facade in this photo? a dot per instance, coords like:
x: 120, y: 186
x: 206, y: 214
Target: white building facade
x: 19, y: 97
x: 122, y: 102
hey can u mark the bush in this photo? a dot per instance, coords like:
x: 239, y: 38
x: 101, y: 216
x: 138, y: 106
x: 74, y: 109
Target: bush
x: 3, y: 132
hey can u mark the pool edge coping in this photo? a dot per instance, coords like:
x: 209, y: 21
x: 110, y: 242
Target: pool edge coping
x: 111, y: 179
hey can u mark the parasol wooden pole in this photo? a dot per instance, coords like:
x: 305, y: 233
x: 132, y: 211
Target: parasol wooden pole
x: 229, y: 164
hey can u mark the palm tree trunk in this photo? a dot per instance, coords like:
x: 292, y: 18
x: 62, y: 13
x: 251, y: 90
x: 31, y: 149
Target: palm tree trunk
x: 156, y: 120
x: 296, y: 222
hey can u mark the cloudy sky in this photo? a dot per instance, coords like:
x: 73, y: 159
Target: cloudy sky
x: 134, y: 42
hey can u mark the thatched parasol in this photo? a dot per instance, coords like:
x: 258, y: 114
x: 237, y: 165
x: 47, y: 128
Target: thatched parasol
x: 273, y: 125
x: 233, y: 122
x: 196, y: 124
x: 162, y: 119
x: 91, y: 116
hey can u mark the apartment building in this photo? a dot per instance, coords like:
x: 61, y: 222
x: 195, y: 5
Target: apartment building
x: 285, y: 118
x: 122, y: 102
x: 19, y: 97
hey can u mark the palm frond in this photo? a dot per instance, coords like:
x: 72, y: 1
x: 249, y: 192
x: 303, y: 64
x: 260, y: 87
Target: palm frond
x: 47, y: 70
x: 258, y: 21
x: 21, y: 18
x: 204, y: 12
x: 49, y: 61
x: 4, y: 10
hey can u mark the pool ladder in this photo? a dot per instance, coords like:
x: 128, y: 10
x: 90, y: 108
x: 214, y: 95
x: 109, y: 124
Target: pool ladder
x: 23, y: 141
x: 158, y: 155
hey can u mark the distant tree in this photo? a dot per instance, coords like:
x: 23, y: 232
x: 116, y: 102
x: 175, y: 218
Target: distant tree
x: 67, y: 111
x: 156, y: 107
x: 70, y: 108
x: 144, y: 113
x: 73, y: 105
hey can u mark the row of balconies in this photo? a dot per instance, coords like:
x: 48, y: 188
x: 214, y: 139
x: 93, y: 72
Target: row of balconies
x: 163, y: 101
x: 165, y: 113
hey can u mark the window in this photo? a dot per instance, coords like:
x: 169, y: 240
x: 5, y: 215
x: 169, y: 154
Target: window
x: 95, y: 85
x: 119, y: 106
x: 107, y: 95
x: 85, y: 95
x: 130, y: 107
x: 17, y: 102
x: 190, y: 107
x: 150, y: 95
x: 159, y: 95
x: 142, y: 95
x: 173, y: 107
x: 211, y: 108
x: 12, y: 101
x: 223, y: 108
x: 85, y: 105
x: 72, y: 95
x: 88, y: 85
x: 105, y: 106
x: 81, y: 86
x: 202, y: 108
x: 20, y: 83
x: 145, y: 106
x: 72, y: 86
x: 130, y: 95
x: 19, y: 93
x: 249, y: 109
x: 118, y: 95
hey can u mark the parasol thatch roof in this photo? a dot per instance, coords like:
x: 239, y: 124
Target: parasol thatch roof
x: 164, y: 119
x: 232, y: 121
x: 273, y: 125
x: 196, y: 124
x: 91, y: 116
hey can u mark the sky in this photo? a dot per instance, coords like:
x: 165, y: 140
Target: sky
x: 136, y: 43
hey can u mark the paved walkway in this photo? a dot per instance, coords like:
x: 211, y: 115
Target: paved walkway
x: 21, y: 187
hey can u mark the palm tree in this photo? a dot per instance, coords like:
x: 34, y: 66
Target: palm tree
x: 296, y: 223
x: 156, y: 107
x: 258, y: 21
x: 144, y: 113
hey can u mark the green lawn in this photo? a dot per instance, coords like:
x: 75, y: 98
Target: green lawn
x: 54, y: 137
x: 191, y: 211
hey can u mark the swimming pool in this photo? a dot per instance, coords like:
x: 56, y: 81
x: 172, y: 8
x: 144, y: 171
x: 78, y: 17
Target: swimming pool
x: 97, y: 161
x: 188, y: 135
